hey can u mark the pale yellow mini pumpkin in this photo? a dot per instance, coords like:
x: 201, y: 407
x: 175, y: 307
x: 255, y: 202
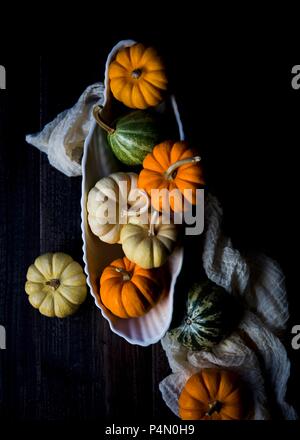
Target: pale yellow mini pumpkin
x: 148, y: 245
x: 56, y: 285
x: 111, y: 201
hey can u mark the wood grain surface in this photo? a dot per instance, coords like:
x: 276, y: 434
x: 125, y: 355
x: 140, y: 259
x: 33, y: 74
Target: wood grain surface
x: 75, y: 368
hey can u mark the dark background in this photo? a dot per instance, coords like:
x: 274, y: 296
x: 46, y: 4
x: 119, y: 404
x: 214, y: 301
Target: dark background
x: 239, y: 109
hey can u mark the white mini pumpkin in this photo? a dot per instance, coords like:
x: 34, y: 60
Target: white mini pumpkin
x: 56, y: 285
x: 111, y: 202
x: 148, y: 244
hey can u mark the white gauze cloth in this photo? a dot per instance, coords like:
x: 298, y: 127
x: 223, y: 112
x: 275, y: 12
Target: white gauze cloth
x: 254, y: 351
x: 63, y: 138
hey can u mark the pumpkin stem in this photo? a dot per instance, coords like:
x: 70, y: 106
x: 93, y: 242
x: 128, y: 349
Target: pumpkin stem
x: 55, y: 283
x: 153, y: 220
x: 99, y: 120
x: 214, y: 407
x: 136, y: 73
x: 170, y: 173
x: 126, y: 275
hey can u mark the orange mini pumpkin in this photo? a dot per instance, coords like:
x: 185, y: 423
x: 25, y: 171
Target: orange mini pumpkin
x: 137, y: 77
x: 212, y: 394
x: 129, y: 291
x: 172, y: 167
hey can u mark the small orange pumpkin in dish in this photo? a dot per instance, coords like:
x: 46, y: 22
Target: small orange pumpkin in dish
x: 172, y: 167
x: 137, y: 77
x: 129, y: 291
x: 212, y: 394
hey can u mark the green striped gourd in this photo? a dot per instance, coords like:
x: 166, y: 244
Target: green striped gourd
x: 211, y: 315
x: 132, y: 137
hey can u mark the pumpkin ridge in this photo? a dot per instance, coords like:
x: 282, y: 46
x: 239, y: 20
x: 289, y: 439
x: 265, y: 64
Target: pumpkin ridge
x: 75, y: 299
x: 146, y: 274
x: 66, y: 267
x: 127, y: 290
x: 60, y: 304
x: 192, y: 415
x: 69, y: 303
x: 149, y: 295
x: 156, y: 78
x: 120, y: 65
x: 234, y: 411
x: 228, y: 385
x: 115, y: 78
x: 137, y: 96
x: 166, y: 241
x: 184, y: 186
x: 192, y: 388
x: 49, y: 294
x: 190, y: 169
x: 39, y: 261
x: 59, y: 264
x: 157, y: 72
x: 106, y: 236
x: 152, y: 176
x: 126, y: 94
x: 151, y: 89
x: 36, y: 298
x: 123, y: 58
x: 163, y: 157
x: 151, y: 164
x: 148, y: 54
x: 151, y: 251
x: 204, y: 385
x: 75, y: 278
x: 197, y: 401
x: 230, y: 392
x: 212, y: 383
x: 76, y: 268
x: 141, y: 49
x: 109, y: 274
x: 156, y: 83
x: 113, y: 297
x: 33, y: 267
x: 147, y: 299
x: 134, y: 230
x: 179, y: 151
x: 194, y: 182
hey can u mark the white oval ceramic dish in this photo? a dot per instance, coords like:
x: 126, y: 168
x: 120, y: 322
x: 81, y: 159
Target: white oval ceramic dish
x: 98, y: 161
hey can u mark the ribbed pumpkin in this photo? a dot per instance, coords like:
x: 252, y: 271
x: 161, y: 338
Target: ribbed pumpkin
x: 212, y: 394
x: 211, y: 315
x: 137, y: 77
x: 56, y: 285
x: 148, y: 244
x: 132, y: 137
x: 110, y: 202
x: 129, y: 291
x: 172, y: 167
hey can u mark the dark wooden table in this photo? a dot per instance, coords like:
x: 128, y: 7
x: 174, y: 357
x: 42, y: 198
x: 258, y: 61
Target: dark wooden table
x: 246, y: 127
